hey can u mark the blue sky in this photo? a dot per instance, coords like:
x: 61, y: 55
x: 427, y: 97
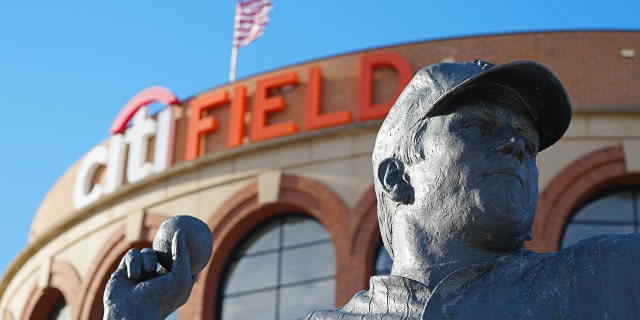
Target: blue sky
x: 68, y: 67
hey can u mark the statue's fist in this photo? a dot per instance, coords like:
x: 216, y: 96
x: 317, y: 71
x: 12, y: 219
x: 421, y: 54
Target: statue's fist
x: 197, y: 236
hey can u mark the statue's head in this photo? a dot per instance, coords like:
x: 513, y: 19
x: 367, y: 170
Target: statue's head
x: 456, y: 154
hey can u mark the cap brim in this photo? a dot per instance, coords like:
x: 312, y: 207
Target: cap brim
x: 541, y: 90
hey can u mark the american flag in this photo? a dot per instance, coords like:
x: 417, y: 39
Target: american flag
x: 251, y: 18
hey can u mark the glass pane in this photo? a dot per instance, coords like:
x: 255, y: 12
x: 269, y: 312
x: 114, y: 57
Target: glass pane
x: 256, y: 306
x: 308, y: 262
x: 254, y: 272
x: 576, y: 232
x: 614, y: 207
x: 301, y: 230
x: 300, y: 300
x: 274, y: 266
x: 264, y: 239
x: 383, y: 262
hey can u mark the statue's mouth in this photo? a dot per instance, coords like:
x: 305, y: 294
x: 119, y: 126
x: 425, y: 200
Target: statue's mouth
x: 507, y: 173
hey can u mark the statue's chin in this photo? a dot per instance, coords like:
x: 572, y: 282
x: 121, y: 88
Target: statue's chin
x: 506, y: 199
x: 503, y: 224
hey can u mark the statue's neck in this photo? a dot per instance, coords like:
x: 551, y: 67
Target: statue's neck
x: 429, y: 261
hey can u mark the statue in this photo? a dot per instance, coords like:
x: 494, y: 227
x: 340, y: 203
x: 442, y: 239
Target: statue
x: 456, y: 182
x: 153, y: 283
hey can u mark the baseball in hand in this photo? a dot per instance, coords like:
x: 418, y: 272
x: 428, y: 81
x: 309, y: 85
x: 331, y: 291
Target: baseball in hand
x: 197, y: 236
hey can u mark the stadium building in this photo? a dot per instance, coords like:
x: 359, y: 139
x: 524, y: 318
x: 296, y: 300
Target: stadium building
x: 278, y: 165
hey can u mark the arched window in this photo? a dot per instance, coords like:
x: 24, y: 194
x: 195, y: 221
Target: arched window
x: 60, y: 311
x: 614, y: 212
x: 383, y: 262
x: 283, y: 270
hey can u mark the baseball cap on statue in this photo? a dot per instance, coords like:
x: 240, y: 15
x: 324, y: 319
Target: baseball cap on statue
x: 432, y: 89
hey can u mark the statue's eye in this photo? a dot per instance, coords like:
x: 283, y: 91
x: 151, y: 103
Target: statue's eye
x: 529, y: 138
x: 528, y: 148
x: 531, y: 148
x: 478, y: 128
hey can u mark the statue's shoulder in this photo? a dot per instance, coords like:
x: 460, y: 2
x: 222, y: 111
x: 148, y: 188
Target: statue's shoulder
x: 607, y: 244
x: 610, y: 256
x: 610, y: 251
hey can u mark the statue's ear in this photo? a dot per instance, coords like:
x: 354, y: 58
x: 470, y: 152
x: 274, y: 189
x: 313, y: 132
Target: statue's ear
x: 394, y: 181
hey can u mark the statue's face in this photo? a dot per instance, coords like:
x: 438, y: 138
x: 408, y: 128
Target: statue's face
x: 479, y: 179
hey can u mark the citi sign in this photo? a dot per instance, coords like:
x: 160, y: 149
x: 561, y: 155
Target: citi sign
x: 142, y: 145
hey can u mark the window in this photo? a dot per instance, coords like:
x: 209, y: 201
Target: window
x: 383, y: 262
x: 614, y: 212
x: 60, y: 311
x: 284, y: 270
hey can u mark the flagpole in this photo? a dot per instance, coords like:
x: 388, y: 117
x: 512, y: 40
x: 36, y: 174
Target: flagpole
x: 251, y: 18
x: 234, y: 62
x: 234, y: 47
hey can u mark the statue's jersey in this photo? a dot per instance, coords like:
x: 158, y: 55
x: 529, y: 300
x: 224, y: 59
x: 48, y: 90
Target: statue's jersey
x: 390, y: 297
x: 597, y: 278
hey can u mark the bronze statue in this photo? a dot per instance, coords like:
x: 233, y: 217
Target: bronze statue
x: 456, y: 182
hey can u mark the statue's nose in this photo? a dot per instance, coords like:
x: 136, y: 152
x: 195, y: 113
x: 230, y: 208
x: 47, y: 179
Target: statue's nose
x: 513, y: 146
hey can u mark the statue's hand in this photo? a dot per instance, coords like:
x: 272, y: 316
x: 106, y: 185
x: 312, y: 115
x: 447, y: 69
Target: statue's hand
x: 136, y: 291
